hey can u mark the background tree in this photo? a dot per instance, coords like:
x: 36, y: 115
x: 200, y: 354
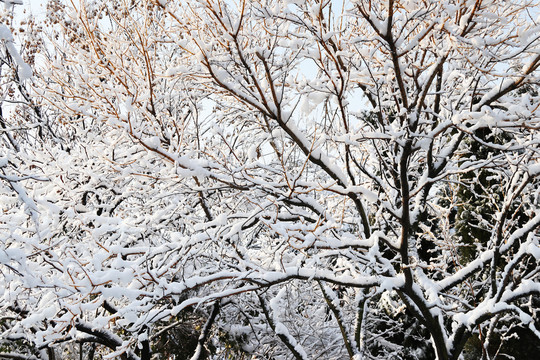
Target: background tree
x: 286, y: 178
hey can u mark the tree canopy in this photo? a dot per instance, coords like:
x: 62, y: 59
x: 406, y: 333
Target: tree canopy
x: 270, y: 179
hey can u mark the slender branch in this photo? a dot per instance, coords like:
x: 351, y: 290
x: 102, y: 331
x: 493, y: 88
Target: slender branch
x: 205, y: 332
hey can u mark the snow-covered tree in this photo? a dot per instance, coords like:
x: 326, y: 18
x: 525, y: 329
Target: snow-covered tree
x: 279, y: 179
x: 23, y: 130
